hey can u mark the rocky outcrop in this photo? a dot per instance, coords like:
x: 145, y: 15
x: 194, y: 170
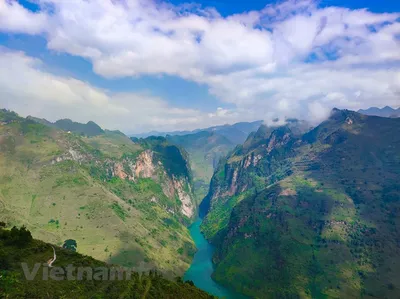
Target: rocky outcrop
x: 119, y: 171
x: 184, y: 196
x: 147, y: 164
x: 144, y: 166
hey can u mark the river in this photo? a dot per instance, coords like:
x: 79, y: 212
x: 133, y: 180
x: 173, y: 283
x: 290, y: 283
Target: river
x: 202, y: 267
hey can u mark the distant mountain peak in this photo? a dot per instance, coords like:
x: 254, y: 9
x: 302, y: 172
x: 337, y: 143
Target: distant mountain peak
x: 386, y: 111
x: 66, y: 124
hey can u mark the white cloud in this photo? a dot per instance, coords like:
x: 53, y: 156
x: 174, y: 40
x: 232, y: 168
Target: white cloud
x: 318, y: 111
x: 25, y: 88
x: 287, y: 59
x: 15, y: 18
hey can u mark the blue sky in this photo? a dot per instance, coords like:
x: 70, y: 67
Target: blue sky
x: 228, y: 7
x: 169, y: 66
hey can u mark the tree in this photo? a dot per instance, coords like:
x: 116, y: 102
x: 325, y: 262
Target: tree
x: 20, y: 237
x: 4, y: 260
x: 8, y: 282
x: 70, y: 244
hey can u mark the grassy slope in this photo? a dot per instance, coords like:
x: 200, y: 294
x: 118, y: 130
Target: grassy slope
x: 111, y: 219
x: 330, y: 229
x: 14, y: 285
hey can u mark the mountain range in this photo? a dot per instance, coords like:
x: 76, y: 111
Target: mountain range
x: 292, y: 211
x: 383, y: 112
x: 310, y: 214
x: 236, y: 133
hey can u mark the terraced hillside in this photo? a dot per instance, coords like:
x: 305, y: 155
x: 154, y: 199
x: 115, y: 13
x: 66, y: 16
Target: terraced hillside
x: 313, y: 215
x: 122, y: 202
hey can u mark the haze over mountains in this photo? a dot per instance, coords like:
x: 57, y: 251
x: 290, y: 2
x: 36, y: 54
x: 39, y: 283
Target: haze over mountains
x: 384, y: 112
x: 236, y: 133
x: 216, y: 148
x: 292, y: 210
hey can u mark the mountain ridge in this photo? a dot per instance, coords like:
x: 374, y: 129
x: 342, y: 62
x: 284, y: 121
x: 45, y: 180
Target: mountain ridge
x: 135, y: 199
x: 293, y: 200
x: 383, y: 112
x: 89, y: 129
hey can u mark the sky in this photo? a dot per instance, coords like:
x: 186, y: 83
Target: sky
x: 143, y: 65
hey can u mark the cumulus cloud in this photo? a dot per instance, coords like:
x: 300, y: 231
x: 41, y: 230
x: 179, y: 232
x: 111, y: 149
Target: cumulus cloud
x: 15, y: 18
x: 291, y: 59
x: 27, y: 89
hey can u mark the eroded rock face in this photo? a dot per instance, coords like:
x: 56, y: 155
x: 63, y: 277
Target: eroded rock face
x: 71, y: 155
x: 233, y: 187
x: 144, y: 166
x: 119, y: 171
x: 186, y: 200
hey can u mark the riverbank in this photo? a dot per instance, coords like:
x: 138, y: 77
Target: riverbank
x: 202, y: 267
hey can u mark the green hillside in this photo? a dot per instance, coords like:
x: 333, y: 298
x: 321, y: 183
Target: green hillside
x: 122, y: 202
x: 90, y: 129
x: 17, y: 246
x: 314, y: 215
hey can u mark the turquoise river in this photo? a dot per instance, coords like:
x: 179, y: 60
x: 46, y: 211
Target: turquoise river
x: 202, y: 267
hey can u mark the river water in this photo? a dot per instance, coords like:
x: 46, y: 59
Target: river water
x: 202, y: 267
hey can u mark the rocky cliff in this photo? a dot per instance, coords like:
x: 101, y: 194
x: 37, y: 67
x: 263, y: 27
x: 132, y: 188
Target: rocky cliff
x: 312, y: 215
x: 124, y: 202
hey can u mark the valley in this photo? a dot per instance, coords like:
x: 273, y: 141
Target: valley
x: 202, y: 149
x: 291, y: 210
x: 202, y: 267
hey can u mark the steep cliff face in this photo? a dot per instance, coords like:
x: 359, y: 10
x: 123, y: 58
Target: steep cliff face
x: 251, y: 167
x: 205, y: 148
x: 124, y: 202
x: 323, y: 223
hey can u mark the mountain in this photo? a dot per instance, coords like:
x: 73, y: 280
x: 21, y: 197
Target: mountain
x: 162, y: 134
x: 123, y: 202
x: 206, y: 147
x: 310, y: 215
x: 383, y: 112
x: 17, y: 246
x: 90, y: 129
x: 236, y: 133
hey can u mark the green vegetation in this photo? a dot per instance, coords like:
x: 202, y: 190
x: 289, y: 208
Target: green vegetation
x: 174, y: 159
x: 121, y: 213
x: 7, y: 116
x: 89, y: 129
x: 102, y: 189
x: 317, y: 215
x: 17, y: 246
x: 204, y: 149
x: 70, y: 244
